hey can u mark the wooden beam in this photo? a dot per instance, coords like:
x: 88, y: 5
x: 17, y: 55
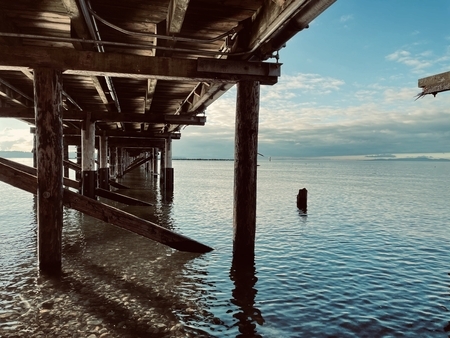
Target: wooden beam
x: 276, y: 19
x: 435, y: 84
x: 138, y: 67
x: 113, y: 196
x: 77, y: 115
x: 136, y: 164
x: 107, y: 213
x: 72, y: 165
x: 149, y: 93
x: 175, y: 15
x: 33, y: 171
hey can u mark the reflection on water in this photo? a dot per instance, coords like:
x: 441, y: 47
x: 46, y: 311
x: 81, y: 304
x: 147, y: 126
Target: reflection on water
x: 243, y: 275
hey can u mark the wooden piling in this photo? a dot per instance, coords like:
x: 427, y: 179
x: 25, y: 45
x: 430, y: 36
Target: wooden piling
x: 302, y: 199
x: 245, y: 164
x: 169, y: 168
x: 88, y: 158
x: 103, y: 171
x: 49, y: 153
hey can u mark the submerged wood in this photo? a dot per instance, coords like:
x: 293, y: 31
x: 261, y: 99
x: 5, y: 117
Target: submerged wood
x: 106, y: 213
x: 120, y: 198
x: 136, y: 164
x: 33, y: 171
x: 117, y: 185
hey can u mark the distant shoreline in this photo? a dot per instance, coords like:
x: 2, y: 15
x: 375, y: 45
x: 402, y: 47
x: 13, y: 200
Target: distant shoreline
x: 26, y: 154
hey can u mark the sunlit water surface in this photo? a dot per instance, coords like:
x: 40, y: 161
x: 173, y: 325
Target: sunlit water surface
x: 370, y: 259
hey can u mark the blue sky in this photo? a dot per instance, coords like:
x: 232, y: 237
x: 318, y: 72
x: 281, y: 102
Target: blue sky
x: 347, y: 89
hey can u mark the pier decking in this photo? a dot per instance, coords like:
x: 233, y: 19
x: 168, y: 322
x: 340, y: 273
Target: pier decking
x: 125, y: 78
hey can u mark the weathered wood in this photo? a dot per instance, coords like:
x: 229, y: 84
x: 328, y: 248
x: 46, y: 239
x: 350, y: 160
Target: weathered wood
x: 113, y: 196
x: 49, y: 149
x: 136, y: 164
x: 103, y: 171
x: 434, y: 84
x: 138, y: 67
x: 88, y: 158
x: 72, y: 165
x: 100, y: 116
x: 106, y: 213
x: 117, y: 185
x: 33, y: 171
x: 302, y: 199
x: 245, y: 164
x: 175, y: 15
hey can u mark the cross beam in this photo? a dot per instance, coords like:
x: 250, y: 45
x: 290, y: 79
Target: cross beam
x: 75, y: 62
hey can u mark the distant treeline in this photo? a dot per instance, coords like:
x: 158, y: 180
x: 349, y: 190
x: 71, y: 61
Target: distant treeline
x: 203, y: 159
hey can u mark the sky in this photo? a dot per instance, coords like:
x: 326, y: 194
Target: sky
x: 347, y: 89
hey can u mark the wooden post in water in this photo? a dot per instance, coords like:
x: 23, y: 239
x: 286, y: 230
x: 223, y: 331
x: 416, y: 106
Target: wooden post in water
x: 119, y: 169
x: 65, y: 158
x: 169, y: 168
x: 302, y: 199
x: 245, y: 164
x: 155, y: 162
x: 162, y: 169
x: 103, y: 171
x: 49, y: 154
x: 88, y: 158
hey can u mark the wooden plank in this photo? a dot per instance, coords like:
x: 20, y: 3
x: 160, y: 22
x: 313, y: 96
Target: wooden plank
x: 434, y: 84
x: 114, y: 196
x: 107, y: 213
x: 134, y: 66
x: 442, y: 78
x: 33, y: 171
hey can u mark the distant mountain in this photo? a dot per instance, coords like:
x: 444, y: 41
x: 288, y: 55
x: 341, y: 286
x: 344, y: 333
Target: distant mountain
x: 16, y: 154
x: 418, y: 159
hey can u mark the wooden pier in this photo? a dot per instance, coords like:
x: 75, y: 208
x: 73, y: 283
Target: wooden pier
x: 120, y: 80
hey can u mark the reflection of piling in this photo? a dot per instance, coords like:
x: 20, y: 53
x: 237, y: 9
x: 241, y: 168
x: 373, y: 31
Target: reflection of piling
x: 302, y: 199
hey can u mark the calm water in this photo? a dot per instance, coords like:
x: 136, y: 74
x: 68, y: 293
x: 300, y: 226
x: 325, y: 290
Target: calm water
x: 370, y: 259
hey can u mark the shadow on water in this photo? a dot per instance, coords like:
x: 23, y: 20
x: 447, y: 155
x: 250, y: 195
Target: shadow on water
x: 243, y: 275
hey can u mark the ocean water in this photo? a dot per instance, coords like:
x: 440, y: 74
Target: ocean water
x: 371, y: 258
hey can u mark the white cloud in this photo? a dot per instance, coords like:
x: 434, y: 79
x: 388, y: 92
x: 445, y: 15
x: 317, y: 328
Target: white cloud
x: 345, y: 18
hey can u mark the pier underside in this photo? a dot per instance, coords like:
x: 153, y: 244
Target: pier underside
x: 120, y: 80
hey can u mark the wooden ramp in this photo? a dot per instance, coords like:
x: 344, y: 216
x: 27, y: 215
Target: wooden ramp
x: 28, y: 182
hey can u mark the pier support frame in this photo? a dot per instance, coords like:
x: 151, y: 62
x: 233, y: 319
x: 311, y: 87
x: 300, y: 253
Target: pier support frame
x: 88, y: 158
x: 103, y: 171
x: 245, y: 164
x: 49, y: 154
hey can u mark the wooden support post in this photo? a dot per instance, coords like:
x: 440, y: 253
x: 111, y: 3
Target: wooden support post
x: 65, y: 158
x: 155, y: 162
x: 88, y: 158
x: 245, y: 164
x: 49, y: 152
x: 169, y: 169
x: 34, y: 151
x: 119, y: 162
x: 162, y: 169
x: 112, y: 162
x: 78, y: 173
x: 302, y: 200
x: 103, y: 172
